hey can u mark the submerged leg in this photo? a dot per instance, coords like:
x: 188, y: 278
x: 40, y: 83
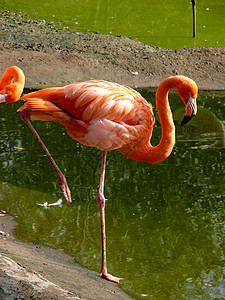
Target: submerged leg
x: 101, y: 202
x: 61, y: 178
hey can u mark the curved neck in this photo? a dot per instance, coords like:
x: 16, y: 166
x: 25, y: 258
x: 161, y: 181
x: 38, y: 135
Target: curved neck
x: 166, y: 144
x: 12, y: 84
x: 12, y: 74
x: 146, y: 152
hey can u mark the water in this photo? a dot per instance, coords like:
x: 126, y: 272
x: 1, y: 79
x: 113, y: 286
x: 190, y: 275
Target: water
x: 165, y: 223
x: 163, y: 23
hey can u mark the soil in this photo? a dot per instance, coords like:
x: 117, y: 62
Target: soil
x: 54, y: 57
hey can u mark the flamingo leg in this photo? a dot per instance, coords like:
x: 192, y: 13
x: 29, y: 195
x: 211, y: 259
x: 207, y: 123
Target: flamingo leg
x: 61, y: 178
x: 101, y: 202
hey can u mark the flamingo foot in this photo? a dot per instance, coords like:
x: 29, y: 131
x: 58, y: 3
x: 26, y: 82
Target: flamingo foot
x: 110, y: 277
x: 64, y: 187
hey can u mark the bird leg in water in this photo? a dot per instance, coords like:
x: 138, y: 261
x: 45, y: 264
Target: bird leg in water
x: 101, y: 202
x: 61, y: 178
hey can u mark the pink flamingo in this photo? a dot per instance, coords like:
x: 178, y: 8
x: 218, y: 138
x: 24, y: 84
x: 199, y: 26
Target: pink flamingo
x: 110, y: 116
x: 11, y: 84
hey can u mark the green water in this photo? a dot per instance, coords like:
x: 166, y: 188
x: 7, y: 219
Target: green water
x: 163, y: 23
x: 165, y: 222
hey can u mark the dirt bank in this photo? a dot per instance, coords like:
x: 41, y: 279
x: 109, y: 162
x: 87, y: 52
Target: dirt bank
x: 29, y: 271
x: 52, y: 57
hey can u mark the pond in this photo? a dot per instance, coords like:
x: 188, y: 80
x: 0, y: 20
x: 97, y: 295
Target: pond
x: 165, y: 223
x: 162, y: 23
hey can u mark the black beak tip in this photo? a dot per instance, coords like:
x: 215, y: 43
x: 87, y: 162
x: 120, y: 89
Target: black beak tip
x: 185, y: 120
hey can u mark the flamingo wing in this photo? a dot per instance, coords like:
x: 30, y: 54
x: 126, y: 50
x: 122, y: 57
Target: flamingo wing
x: 112, y: 115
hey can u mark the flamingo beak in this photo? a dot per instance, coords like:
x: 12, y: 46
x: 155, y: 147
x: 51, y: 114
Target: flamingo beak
x: 190, y: 111
x: 2, y: 97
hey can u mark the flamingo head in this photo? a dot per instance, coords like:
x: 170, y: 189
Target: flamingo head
x: 188, y: 91
x: 11, y: 93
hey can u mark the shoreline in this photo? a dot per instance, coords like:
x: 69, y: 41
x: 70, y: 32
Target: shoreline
x: 55, y: 57
x: 30, y: 271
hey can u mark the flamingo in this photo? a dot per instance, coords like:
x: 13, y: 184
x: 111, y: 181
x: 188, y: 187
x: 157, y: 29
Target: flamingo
x: 109, y: 116
x: 11, y: 84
